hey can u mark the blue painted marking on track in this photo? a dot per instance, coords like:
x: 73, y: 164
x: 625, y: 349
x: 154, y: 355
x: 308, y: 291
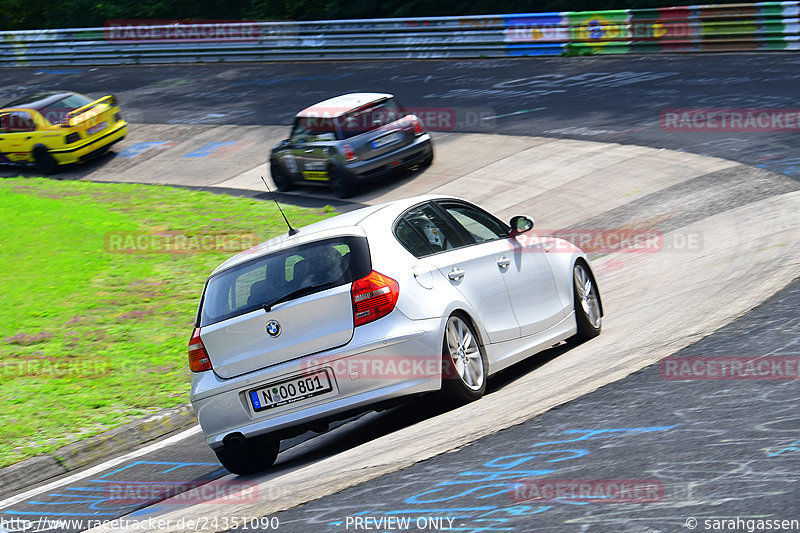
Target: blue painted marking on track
x: 58, y: 71
x: 208, y: 148
x: 142, y: 147
x: 93, y: 501
x: 174, y: 466
x: 502, y: 468
x: 39, y: 513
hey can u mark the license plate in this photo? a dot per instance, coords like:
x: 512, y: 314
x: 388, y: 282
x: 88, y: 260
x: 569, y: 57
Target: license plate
x: 387, y: 139
x: 290, y: 391
x: 94, y: 129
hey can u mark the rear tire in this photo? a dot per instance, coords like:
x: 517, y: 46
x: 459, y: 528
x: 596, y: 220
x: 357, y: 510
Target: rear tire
x: 251, y: 456
x: 44, y: 162
x: 463, y: 362
x: 588, y: 313
x: 341, y: 184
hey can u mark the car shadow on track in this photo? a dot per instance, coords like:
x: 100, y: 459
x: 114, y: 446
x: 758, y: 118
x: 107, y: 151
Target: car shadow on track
x: 311, y: 448
x: 73, y: 171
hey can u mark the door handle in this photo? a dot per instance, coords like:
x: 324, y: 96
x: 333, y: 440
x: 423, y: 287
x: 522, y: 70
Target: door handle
x: 456, y: 274
x: 503, y: 262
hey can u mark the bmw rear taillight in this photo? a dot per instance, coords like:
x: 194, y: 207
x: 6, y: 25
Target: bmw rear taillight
x: 374, y: 296
x: 417, y: 127
x: 198, y: 357
x: 349, y: 154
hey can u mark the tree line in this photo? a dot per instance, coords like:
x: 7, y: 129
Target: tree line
x: 42, y: 14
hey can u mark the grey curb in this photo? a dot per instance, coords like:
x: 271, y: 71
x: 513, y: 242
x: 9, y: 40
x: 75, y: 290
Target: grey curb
x: 92, y: 450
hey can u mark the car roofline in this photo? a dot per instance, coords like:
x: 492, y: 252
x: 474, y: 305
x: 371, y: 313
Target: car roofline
x: 47, y: 97
x: 323, y: 108
x: 344, y: 223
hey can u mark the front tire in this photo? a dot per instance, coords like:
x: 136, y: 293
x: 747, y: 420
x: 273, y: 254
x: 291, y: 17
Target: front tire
x: 44, y: 162
x: 283, y: 183
x: 464, y: 366
x: 251, y: 456
x: 341, y: 184
x: 588, y: 314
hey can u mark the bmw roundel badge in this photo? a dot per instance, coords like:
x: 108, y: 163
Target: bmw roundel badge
x: 273, y: 328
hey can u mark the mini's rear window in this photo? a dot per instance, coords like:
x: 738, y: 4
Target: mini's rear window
x: 307, y: 268
x: 369, y: 118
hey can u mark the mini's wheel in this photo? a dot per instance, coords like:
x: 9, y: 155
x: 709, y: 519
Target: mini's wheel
x: 341, y: 184
x: 281, y: 181
x: 44, y: 162
x: 251, y: 456
x: 463, y: 362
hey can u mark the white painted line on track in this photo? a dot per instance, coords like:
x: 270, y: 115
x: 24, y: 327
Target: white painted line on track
x: 13, y: 500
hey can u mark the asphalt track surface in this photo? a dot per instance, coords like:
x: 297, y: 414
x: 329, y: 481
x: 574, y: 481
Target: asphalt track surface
x: 606, y: 99
x: 722, y: 432
x: 713, y: 449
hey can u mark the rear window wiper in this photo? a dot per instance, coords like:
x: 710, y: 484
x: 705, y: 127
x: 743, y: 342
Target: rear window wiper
x: 297, y: 293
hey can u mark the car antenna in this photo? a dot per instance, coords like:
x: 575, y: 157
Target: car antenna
x: 292, y: 230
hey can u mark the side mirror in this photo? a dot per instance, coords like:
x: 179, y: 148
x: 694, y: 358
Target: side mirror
x: 520, y: 224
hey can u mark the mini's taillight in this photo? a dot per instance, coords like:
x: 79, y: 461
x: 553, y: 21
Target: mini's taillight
x: 198, y: 357
x: 349, y: 154
x: 374, y: 296
x: 417, y: 126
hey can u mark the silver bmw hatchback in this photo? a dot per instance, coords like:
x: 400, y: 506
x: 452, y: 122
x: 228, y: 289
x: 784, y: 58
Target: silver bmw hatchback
x: 425, y: 295
x: 349, y: 139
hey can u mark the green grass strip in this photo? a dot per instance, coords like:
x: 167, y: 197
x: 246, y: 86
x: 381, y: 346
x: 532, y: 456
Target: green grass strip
x: 99, y: 287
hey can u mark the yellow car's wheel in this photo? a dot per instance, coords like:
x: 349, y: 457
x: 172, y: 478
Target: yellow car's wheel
x: 44, y: 162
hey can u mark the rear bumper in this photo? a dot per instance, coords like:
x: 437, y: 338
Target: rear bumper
x: 387, y: 359
x: 409, y: 155
x: 90, y: 147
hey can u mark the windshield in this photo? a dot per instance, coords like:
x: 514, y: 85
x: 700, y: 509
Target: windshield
x: 301, y: 269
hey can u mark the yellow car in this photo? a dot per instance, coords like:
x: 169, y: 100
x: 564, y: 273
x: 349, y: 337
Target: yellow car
x: 56, y: 128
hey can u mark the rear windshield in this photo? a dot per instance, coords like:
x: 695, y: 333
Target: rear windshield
x: 307, y: 268
x: 52, y: 106
x: 369, y: 118
x: 54, y: 112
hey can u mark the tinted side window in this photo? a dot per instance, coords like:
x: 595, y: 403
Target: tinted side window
x: 479, y: 224
x: 311, y: 129
x: 411, y: 240
x: 435, y: 231
x: 247, y: 287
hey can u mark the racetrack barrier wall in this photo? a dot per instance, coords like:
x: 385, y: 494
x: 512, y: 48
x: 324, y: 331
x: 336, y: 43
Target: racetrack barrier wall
x: 758, y: 26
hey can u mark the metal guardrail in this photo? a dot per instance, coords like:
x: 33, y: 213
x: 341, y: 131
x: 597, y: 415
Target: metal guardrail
x: 729, y: 27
